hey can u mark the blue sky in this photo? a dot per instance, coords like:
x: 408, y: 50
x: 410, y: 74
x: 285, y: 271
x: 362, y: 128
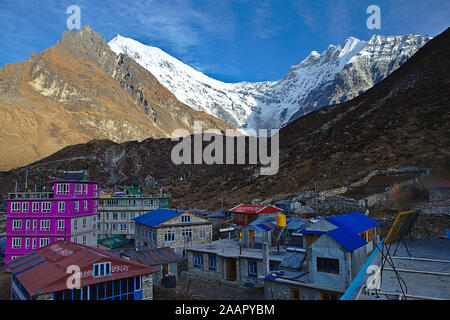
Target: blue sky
x: 230, y: 40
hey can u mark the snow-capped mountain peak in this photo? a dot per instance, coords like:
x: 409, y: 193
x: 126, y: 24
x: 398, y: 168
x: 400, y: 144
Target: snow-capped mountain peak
x: 337, y: 74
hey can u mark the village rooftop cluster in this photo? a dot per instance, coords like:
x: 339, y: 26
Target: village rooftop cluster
x: 127, y: 243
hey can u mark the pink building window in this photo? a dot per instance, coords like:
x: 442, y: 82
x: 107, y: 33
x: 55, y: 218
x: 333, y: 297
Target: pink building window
x: 62, y: 188
x: 24, y: 206
x: 61, y: 207
x: 15, y: 207
x: 17, y: 225
x: 46, y: 206
x: 35, y: 207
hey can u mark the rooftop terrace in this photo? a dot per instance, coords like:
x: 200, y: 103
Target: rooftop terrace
x: 425, y: 276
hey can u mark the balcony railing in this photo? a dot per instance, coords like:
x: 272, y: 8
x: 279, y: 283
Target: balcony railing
x: 30, y: 195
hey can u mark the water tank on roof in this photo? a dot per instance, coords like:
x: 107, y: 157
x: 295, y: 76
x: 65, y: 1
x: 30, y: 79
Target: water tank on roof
x: 281, y: 220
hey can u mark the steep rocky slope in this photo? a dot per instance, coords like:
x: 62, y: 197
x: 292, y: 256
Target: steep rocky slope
x: 79, y: 90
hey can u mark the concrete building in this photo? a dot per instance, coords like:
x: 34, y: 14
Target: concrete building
x: 172, y: 228
x: 224, y: 261
x: 163, y: 259
x: 43, y: 275
x: 36, y: 219
x: 336, y: 249
x: 288, y: 206
x: 116, y: 210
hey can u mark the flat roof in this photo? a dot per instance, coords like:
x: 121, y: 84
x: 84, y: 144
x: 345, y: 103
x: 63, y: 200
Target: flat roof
x: 229, y: 248
x: 425, y: 276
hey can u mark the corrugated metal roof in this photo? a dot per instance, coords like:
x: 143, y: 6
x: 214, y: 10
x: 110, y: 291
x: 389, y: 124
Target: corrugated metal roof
x: 45, y: 270
x: 345, y: 237
x: 158, y: 216
x: 255, y: 209
x: 355, y: 221
x: 152, y: 257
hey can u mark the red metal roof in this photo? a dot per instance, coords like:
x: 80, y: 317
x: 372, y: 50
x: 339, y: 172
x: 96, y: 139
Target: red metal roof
x: 255, y: 209
x: 45, y: 270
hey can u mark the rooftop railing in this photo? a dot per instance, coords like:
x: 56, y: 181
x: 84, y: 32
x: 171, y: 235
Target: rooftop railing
x: 30, y: 195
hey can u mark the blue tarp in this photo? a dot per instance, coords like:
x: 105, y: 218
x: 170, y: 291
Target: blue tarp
x: 447, y: 232
x: 357, y: 222
x: 158, y: 216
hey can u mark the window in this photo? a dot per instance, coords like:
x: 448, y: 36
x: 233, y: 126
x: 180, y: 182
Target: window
x: 187, y: 234
x: 76, y: 206
x: 212, y: 262
x: 60, y: 225
x: 328, y: 265
x: 252, y: 269
x: 106, y: 226
x: 16, y: 243
x: 169, y: 236
x: 33, y: 243
x: 123, y: 216
x: 75, y: 224
x: 46, y: 206
x: 24, y: 206
x: 102, y: 269
x: 85, y: 188
x: 34, y: 225
x: 186, y: 218
x: 15, y: 207
x: 28, y: 225
x: 202, y: 234
x: 62, y: 188
x: 95, y: 187
x: 114, y: 216
x: 131, y: 226
x: 78, y: 188
x: 114, y: 226
x: 198, y: 260
x: 84, y: 205
x: 84, y: 239
x: 295, y: 294
x: 17, y: 225
x: 84, y: 222
x: 61, y: 206
x: 27, y: 243
x: 274, y: 267
x: 328, y: 295
x: 35, y: 207
x: 123, y: 227
x: 43, y: 242
x: 45, y: 225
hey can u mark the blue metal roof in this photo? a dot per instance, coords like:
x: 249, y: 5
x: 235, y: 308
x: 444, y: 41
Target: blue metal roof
x: 348, y: 239
x: 158, y: 216
x: 264, y: 227
x: 357, y: 222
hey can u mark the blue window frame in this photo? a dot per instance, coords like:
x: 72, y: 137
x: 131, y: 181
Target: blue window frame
x: 252, y: 269
x: 102, y: 269
x: 198, y: 260
x: 122, y: 289
x: 212, y: 262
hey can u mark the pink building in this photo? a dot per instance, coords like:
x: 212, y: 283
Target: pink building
x: 36, y: 219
